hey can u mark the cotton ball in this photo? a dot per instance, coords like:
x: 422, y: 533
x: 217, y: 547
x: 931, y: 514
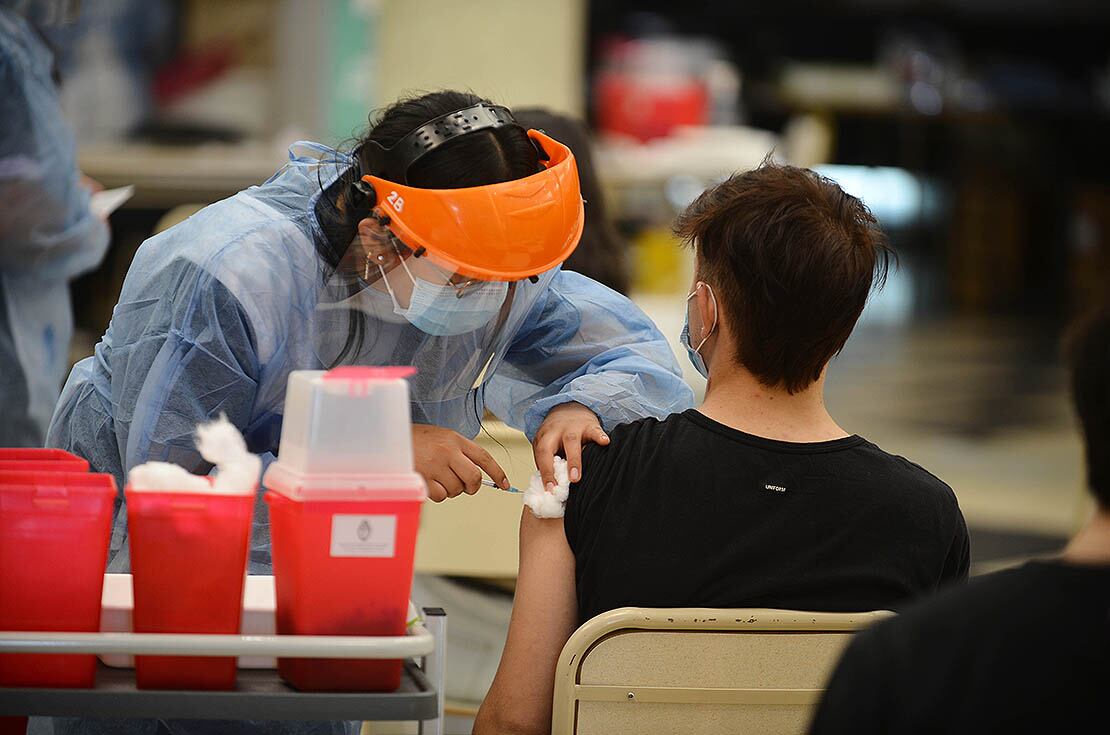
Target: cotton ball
x: 165, y: 476
x: 220, y: 443
x: 239, y: 477
x: 546, y: 504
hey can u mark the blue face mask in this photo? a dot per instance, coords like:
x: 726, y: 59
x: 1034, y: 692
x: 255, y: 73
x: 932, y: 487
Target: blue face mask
x: 438, y: 310
x: 695, y: 352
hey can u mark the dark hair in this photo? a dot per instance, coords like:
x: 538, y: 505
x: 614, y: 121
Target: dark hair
x: 1088, y: 352
x: 791, y: 258
x: 486, y: 157
x: 602, y: 253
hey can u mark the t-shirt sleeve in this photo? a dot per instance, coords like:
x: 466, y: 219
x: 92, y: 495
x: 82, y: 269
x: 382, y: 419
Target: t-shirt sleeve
x: 590, y: 497
x: 853, y: 701
x: 580, y: 494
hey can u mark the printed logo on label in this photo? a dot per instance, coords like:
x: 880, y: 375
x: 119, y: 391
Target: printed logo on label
x: 365, y: 536
x: 775, y: 488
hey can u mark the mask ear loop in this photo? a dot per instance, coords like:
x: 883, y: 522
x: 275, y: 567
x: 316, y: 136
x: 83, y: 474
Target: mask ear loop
x: 714, y: 327
x: 405, y: 265
x: 387, y: 286
x: 366, y: 269
x: 381, y: 270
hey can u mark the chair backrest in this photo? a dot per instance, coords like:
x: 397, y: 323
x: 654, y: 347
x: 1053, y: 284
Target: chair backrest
x: 698, y: 670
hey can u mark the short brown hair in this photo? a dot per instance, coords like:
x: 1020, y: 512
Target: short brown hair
x: 791, y: 258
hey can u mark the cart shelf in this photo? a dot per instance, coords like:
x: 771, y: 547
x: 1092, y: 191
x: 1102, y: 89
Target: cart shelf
x: 260, y: 694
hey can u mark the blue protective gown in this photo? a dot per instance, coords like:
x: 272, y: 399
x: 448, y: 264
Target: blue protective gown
x: 216, y: 311
x: 47, y: 235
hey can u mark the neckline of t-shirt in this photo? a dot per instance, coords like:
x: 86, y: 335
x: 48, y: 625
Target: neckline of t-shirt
x: 775, y: 445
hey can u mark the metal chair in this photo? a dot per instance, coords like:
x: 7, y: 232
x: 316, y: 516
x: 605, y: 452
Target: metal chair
x: 698, y: 670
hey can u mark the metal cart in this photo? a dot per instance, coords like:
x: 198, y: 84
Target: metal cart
x: 261, y: 694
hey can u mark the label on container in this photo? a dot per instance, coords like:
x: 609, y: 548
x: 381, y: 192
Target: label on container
x: 368, y: 536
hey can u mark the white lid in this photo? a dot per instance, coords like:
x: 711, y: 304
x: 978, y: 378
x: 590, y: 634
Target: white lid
x: 348, y: 421
x: 301, y: 486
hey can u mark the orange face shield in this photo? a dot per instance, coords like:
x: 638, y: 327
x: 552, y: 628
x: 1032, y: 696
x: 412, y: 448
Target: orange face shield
x: 498, y: 232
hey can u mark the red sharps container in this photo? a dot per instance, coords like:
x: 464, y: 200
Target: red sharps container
x: 54, y: 531
x: 188, y: 566
x: 344, y: 506
x: 40, y: 460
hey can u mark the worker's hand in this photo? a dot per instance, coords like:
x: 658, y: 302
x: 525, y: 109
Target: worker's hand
x: 563, y: 432
x: 452, y: 464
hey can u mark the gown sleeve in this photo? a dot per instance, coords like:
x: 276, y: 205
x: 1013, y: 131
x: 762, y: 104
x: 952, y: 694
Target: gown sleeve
x: 46, y: 228
x: 587, y: 344
x: 177, y: 354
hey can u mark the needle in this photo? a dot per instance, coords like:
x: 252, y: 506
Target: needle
x: 495, y: 486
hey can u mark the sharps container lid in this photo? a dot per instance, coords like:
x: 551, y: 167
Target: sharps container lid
x: 348, y: 421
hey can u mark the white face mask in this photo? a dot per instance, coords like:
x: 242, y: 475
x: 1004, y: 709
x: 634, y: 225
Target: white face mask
x: 440, y: 311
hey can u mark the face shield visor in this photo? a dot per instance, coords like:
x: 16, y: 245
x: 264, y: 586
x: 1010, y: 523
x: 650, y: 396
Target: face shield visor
x: 445, y: 277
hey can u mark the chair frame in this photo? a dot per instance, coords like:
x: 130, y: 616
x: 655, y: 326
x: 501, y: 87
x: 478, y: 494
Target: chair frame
x: 569, y: 690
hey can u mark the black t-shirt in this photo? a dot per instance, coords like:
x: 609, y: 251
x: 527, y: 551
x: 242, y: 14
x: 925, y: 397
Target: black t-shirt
x: 1024, y: 650
x: 689, y: 512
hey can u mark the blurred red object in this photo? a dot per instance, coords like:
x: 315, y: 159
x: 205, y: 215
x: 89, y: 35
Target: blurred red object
x: 626, y: 106
x: 646, y: 88
x: 191, y: 70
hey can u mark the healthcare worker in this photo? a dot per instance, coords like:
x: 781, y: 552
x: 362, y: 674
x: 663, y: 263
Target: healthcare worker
x: 47, y: 233
x: 437, y: 243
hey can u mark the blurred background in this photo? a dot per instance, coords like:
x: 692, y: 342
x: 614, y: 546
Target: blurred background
x: 974, y: 129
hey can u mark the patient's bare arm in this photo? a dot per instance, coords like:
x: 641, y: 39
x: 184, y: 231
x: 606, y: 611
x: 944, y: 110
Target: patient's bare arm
x: 544, y: 616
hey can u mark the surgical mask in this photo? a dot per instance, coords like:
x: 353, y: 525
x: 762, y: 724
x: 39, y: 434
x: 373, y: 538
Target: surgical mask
x: 438, y: 310
x: 695, y: 352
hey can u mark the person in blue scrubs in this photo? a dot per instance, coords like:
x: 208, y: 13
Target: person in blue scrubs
x: 218, y: 310
x: 47, y: 233
x: 307, y: 272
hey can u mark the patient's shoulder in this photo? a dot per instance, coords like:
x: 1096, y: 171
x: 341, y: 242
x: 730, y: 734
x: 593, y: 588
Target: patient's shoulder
x: 627, y: 442
x: 610, y: 471
x: 905, y: 474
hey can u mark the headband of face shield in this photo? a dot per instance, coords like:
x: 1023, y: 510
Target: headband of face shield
x: 494, y: 233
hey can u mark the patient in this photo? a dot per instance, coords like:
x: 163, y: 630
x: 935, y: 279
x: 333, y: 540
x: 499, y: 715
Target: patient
x: 1021, y: 650
x: 758, y: 498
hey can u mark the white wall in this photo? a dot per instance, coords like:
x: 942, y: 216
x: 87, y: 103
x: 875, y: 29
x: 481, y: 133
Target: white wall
x: 516, y: 52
